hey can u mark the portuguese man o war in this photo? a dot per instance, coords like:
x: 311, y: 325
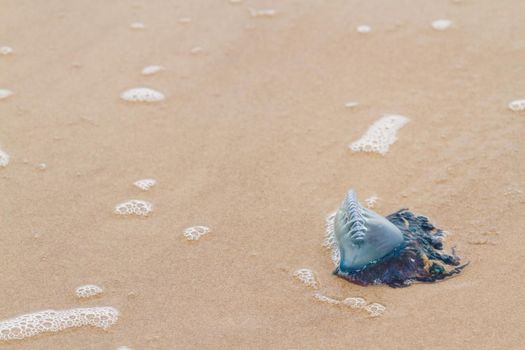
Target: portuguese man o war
x: 398, y: 250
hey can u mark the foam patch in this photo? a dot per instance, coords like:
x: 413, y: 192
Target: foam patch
x: 149, y: 70
x: 307, y: 276
x: 142, y: 94
x: 4, y: 159
x: 329, y: 239
x: 6, y: 50
x: 380, y: 135
x: 88, y: 291
x: 441, y: 24
x: 145, y: 184
x: 517, y: 105
x: 363, y: 29
x: 30, y: 325
x: 137, y: 25
x: 262, y: 12
x: 371, y: 201
x: 5, y: 93
x: 195, y: 232
x: 134, y: 207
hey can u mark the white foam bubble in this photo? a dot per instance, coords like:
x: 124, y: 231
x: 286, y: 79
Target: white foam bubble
x: 375, y: 309
x: 29, y: 325
x: 326, y: 299
x: 185, y: 20
x: 441, y: 24
x: 363, y: 29
x: 145, y: 184
x: 137, y: 25
x: 142, y: 94
x: 235, y: 1
x: 262, y: 12
x: 6, y: 50
x: 196, y: 50
x: 329, y: 239
x: 134, y: 207
x: 380, y: 135
x: 5, y: 93
x: 149, y: 70
x: 354, y: 302
x: 371, y: 201
x: 88, y: 291
x: 4, y: 159
x: 195, y: 232
x: 307, y: 276
x: 517, y: 105
x: 351, y: 104
x: 123, y: 348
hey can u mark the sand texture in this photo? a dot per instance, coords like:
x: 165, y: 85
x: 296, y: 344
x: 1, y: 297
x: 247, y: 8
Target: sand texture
x: 251, y: 140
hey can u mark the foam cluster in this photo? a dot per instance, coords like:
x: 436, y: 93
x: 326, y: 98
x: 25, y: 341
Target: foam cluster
x: 363, y: 29
x: 325, y: 299
x: 145, y: 184
x: 375, y: 309
x: 371, y: 201
x: 6, y: 50
x: 5, y: 93
x: 380, y: 135
x: 137, y: 25
x: 142, y: 94
x: 30, y: 325
x: 88, y: 291
x: 262, y: 12
x: 354, y: 302
x: 195, y: 232
x: 441, y: 24
x: 307, y: 276
x: 149, y: 70
x: 4, y: 159
x: 329, y: 239
x: 517, y: 105
x: 134, y: 207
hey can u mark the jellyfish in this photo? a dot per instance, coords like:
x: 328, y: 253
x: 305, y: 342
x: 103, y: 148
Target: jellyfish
x: 397, y: 250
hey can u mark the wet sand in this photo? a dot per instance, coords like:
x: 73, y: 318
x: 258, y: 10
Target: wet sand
x: 252, y: 142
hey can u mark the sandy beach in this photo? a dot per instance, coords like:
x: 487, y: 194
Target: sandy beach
x: 251, y: 140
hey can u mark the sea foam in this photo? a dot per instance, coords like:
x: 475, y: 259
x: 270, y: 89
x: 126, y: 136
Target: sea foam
x: 88, y: 291
x: 5, y: 93
x: 363, y: 29
x: 134, y: 207
x: 4, y: 159
x: 6, y: 50
x: 29, y: 325
x: 329, y: 239
x: 195, y: 232
x: 142, y: 94
x: 517, y: 105
x: 149, y: 70
x: 380, y: 135
x: 441, y: 24
x: 137, y: 25
x: 145, y: 184
x: 262, y: 12
x: 307, y: 276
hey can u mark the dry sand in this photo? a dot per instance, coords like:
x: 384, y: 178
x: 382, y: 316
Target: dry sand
x: 252, y: 141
